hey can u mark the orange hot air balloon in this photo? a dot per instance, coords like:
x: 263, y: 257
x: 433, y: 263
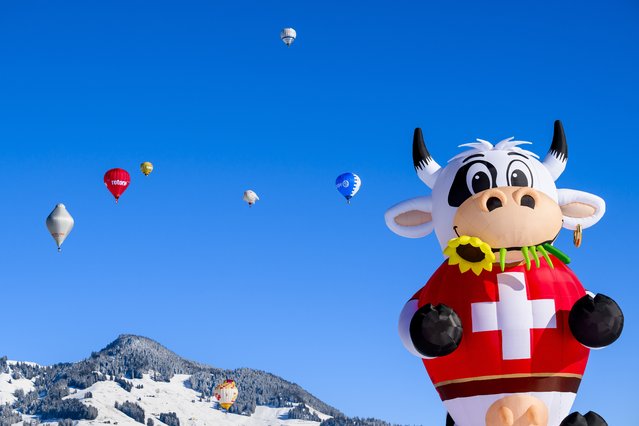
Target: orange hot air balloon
x: 117, y: 181
x: 226, y: 393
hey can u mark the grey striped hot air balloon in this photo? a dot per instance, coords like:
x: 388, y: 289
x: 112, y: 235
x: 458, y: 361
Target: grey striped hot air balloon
x: 288, y: 36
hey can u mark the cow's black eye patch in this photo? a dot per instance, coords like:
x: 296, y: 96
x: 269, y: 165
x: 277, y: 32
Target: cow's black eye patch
x: 470, y: 179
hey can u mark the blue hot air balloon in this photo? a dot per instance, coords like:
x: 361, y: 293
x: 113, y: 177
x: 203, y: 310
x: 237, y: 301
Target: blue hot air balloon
x: 348, y: 184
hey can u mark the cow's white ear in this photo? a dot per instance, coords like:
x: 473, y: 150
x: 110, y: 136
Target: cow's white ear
x: 580, y: 208
x: 411, y: 218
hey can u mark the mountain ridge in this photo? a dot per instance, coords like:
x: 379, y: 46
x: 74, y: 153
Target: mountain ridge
x: 131, y: 363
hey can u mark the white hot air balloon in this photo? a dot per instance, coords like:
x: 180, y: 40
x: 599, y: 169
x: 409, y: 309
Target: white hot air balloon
x: 250, y: 197
x: 60, y: 223
x: 288, y: 36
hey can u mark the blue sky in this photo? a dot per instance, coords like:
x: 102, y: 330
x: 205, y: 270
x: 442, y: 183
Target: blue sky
x: 302, y: 285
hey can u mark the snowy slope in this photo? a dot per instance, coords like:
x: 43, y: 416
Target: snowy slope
x: 8, y: 385
x: 175, y: 396
x: 155, y: 398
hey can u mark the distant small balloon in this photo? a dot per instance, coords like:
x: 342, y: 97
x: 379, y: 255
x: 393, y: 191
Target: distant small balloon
x: 226, y: 393
x: 348, y: 184
x: 60, y: 223
x: 117, y: 181
x: 250, y: 197
x: 288, y: 36
x: 146, y: 168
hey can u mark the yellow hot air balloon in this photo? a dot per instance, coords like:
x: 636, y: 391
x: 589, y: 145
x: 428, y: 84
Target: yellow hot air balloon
x: 146, y: 168
x: 226, y: 393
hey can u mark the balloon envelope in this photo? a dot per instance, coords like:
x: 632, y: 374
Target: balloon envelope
x: 117, y: 181
x: 250, y: 197
x: 146, y: 168
x: 288, y: 36
x: 509, y: 348
x: 60, y: 223
x: 226, y: 393
x: 348, y: 184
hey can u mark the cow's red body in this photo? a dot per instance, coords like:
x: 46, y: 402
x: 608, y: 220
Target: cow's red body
x: 556, y: 360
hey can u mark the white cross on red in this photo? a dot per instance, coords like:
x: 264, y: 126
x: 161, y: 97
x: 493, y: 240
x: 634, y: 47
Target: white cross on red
x: 514, y: 315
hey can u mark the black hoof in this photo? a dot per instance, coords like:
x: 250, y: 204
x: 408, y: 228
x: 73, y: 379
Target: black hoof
x: 435, y: 330
x: 596, y: 322
x: 590, y: 419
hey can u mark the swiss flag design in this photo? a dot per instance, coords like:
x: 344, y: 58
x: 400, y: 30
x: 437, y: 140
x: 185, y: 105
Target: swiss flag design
x: 514, y: 315
x: 515, y: 323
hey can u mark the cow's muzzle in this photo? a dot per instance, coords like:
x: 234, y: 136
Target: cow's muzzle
x: 509, y: 218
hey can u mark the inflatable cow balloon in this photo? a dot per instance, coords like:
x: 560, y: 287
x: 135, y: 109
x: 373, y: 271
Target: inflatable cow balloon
x: 504, y: 327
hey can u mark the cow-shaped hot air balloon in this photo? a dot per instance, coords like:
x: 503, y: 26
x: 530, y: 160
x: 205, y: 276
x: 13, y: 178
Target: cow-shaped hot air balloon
x: 504, y: 327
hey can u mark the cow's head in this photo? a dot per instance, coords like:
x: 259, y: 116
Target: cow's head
x: 501, y: 194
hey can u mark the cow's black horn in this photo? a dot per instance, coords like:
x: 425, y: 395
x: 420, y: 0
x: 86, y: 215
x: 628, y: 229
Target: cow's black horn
x: 421, y: 156
x: 559, y: 147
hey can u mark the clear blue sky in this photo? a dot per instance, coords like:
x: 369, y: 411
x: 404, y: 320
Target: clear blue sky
x: 302, y: 285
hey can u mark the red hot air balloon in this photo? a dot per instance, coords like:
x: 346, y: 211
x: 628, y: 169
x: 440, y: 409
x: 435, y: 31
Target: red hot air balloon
x: 117, y: 181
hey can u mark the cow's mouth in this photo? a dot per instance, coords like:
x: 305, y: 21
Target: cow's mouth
x: 473, y: 254
x: 532, y: 253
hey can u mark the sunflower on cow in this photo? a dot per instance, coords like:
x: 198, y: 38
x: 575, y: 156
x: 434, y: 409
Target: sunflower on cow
x: 470, y: 253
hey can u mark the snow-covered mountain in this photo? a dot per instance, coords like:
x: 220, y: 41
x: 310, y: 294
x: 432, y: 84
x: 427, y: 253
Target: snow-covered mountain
x: 136, y: 380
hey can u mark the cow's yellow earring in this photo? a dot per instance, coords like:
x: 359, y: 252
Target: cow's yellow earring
x: 577, y: 236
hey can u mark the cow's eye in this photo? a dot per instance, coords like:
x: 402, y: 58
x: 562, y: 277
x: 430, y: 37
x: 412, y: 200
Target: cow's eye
x: 518, y: 174
x: 470, y: 179
x: 478, y: 178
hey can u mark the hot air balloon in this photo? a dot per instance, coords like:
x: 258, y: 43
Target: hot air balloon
x: 226, y: 393
x: 146, y: 168
x: 250, y: 197
x: 348, y: 184
x: 504, y: 327
x: 59, y: 223
x: 288, y: 36
x: 117, y: 181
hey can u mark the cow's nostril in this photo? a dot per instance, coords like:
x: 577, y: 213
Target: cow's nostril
x: 493, y: 203
x: 528, y: 201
